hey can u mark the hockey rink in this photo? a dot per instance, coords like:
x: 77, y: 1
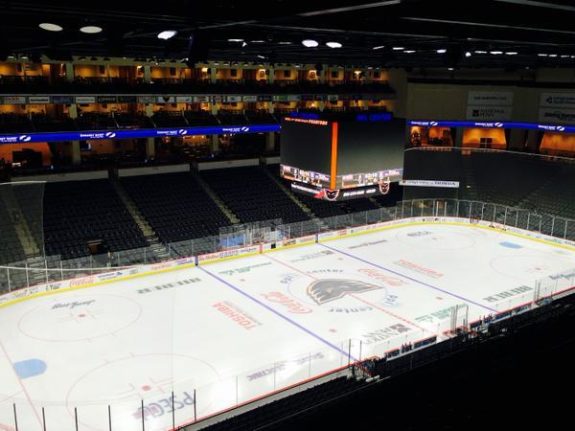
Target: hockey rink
x: 232, y: 331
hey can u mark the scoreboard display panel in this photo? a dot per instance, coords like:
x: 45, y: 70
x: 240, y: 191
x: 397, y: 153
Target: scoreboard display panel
x: 306, y: 144
x: 339, y: 156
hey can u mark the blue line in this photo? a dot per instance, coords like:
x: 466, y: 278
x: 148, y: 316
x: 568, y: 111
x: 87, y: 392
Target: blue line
x: 287, y: 319
x: 409, y: 278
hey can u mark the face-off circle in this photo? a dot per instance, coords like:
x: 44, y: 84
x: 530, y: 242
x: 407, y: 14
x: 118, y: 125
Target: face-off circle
x: 79, y: 318
x: 149, y: 377
x: 530, y: 266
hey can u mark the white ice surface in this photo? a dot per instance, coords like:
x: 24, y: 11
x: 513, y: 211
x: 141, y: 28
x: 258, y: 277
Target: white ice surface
x: 242, y: 328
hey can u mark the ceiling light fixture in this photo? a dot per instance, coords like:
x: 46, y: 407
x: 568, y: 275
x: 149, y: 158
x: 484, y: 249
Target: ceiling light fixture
x: 542, y: 54
x: 235, y: 40
x: 495, y: 52
x: 258, y: 41
x: 284, y: 43
x: 511, y: 53
x: 309, y: 43
x: 91, y: 29
x: 244, y: 44
x: 552, y: 55
x: 375, y: 48
x: 480, y: 52
x: 398, y: 48
x: 167, y: 34
x: 409, y: 51
x: 48, y: 26
x: 441, y: 51
x: 334, y: 44
x: 468, y: 54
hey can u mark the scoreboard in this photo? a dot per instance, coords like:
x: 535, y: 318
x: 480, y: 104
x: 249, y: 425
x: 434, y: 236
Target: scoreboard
x: 342, y: 156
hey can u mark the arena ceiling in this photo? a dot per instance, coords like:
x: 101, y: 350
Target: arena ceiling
x: 402, y: 33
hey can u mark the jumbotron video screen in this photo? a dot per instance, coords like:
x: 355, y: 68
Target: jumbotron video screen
x: 338, y: 157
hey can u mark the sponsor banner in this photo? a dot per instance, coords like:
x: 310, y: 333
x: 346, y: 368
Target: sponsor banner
x: 127, y: 99
x: 238, y: 129
x: 216, y: 99
x: 184, y: 99
x: 293, y: 97
x: 106, y: 99
x: 38, y: 100
x: 490, y: 98
x: 201, y: 99
x: 557, y: 115
x: 14, y: 100
x: 227, y: 254
x: 15, y: 139
x: 332, y: 97
x: 133, y: 133
x: 250, y: 98
x: 500, y: 125
x: 557, y: 100
x: 232, y: 99
x: 326, y: 235
x: 146, y: 99
x: 166, y: 99
x: 85, y: 99
x: 264, y: 98
x: 280, y: 98
x: 430, y: 183
x: 62, y: 100
x: 476, y: 112
x: 297, y: 241
x: 97, y: 135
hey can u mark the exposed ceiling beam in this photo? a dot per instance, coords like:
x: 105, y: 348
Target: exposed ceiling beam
x: 347, y: 31
x: 484, y: 24
x: 351, y: 8
x: 539, y: 4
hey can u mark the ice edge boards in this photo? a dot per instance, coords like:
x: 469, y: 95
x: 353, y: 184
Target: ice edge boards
x: 261, y: 249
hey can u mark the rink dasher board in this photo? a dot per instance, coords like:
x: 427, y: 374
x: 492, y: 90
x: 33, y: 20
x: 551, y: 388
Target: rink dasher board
x: 95, y: 280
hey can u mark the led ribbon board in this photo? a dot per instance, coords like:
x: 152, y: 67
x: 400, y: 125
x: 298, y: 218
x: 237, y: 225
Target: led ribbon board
x: 23, y: 138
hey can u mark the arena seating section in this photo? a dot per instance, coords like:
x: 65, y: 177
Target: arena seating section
x: 10, y: 250
x: 508, y: 179
x: 277, y: 410
x: 176, y: 206
x: 252, y: 196
x: 92, y: 85
x: 80, y: 211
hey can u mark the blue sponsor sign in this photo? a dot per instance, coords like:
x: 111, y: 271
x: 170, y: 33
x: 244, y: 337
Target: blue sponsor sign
x: 133, y: 133
x: 380, y: 116
x: 494, y: 125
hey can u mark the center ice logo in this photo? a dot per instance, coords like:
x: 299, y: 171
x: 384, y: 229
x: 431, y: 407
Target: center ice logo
x: 331, y: 289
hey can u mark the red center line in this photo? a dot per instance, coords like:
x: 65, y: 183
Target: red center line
x: 352, y: 295
x: 371, y: 304
x: 21, y: 384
